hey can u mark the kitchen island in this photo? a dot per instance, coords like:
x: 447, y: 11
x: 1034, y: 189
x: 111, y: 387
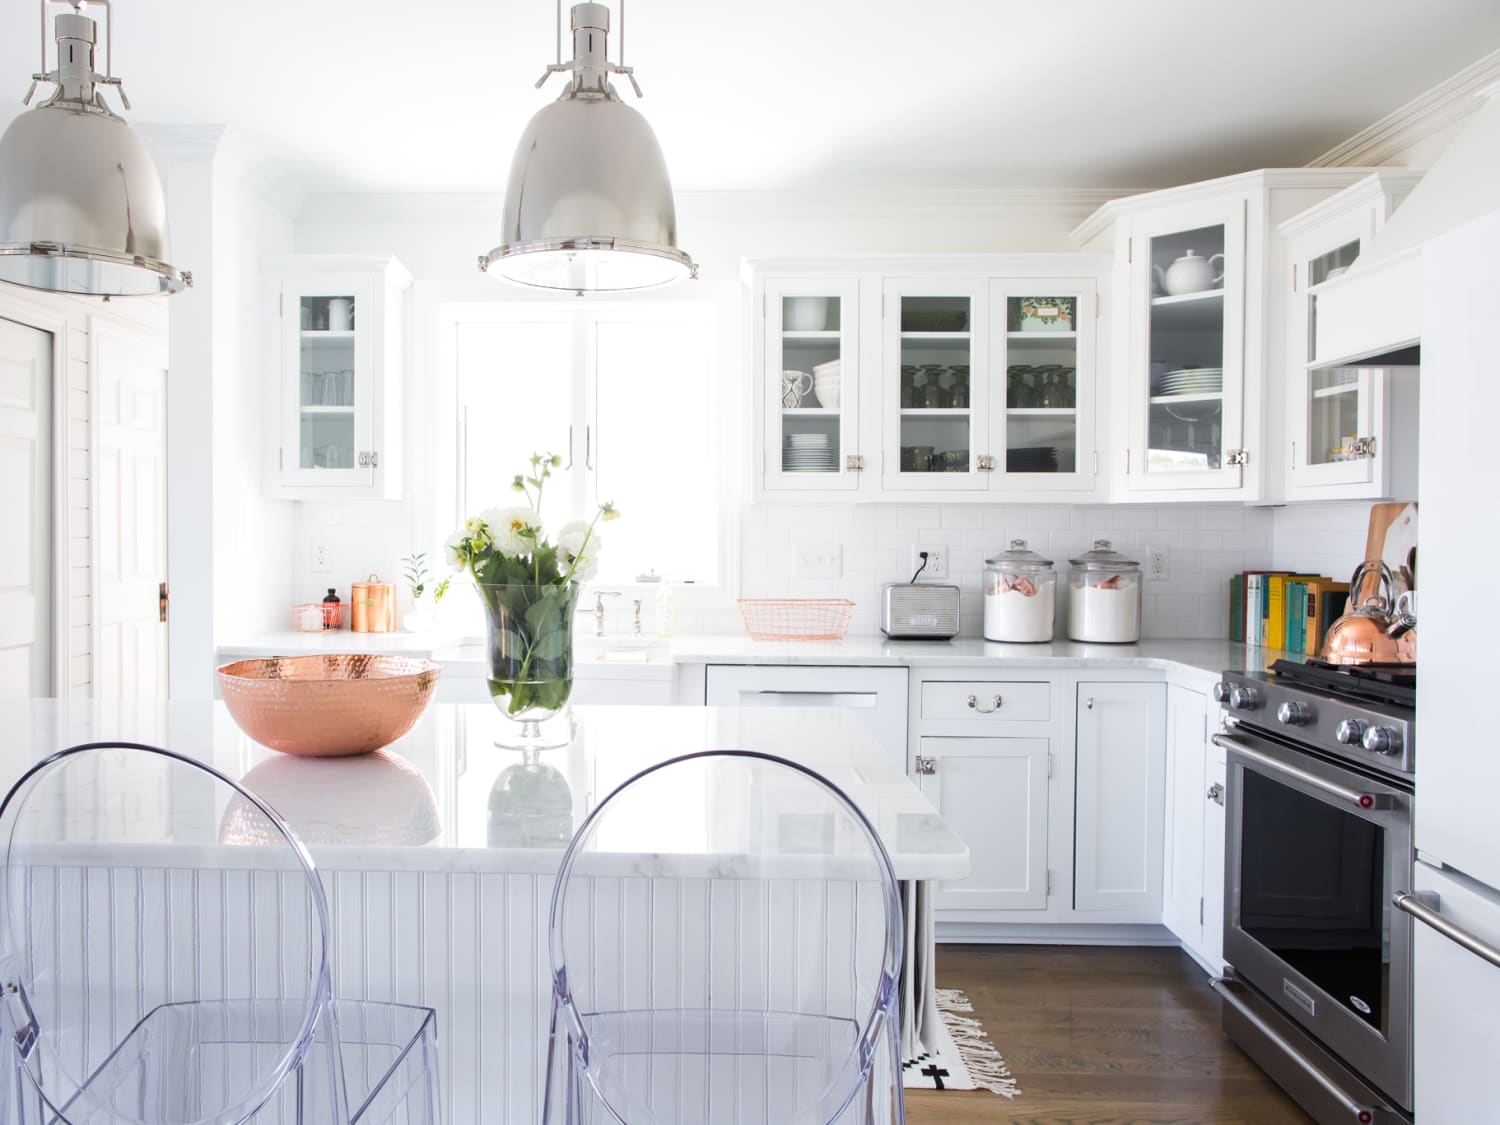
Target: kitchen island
x: 438, y: 854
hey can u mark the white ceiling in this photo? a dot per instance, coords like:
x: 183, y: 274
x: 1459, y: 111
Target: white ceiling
x: 396, y: 95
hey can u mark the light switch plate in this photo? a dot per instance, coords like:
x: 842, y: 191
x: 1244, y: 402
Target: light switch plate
x: 818, y: 560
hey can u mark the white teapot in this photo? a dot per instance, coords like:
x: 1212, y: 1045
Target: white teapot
x: 1190, y: 274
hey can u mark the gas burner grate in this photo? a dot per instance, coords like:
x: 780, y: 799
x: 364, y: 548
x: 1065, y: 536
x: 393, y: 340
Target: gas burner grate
x: 1394, y: 684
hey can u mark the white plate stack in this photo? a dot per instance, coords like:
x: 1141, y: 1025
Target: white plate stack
x: 1189, y: 381
x: 826, y: 377
x: 809, y: 453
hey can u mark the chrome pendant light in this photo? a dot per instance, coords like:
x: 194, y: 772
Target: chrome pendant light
x: 81, y: 205
x: 588, y: 207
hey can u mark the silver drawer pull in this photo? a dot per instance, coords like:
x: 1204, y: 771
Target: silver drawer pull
x: 974, y: 703
x: 1428, y: 912
x: 926, y: 765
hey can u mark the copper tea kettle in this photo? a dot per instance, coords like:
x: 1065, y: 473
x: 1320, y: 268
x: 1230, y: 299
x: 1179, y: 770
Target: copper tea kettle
x: 1367, y: 633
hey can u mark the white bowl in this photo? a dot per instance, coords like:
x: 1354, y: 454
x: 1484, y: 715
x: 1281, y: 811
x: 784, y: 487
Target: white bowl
x: 828, y: 393
x: 832, y: 367
x: 805, y: 314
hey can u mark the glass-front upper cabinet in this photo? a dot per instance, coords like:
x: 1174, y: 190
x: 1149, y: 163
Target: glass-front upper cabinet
x: 1339, y: 418
x: 935, y: 422
x: 1187, y: 342
x: 1045, y: 397
x: 338, y: 344
x: 810, y: 384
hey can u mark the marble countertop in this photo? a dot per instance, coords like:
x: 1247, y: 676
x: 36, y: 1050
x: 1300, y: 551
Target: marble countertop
x: 446, y: 798
x: 656, y: 658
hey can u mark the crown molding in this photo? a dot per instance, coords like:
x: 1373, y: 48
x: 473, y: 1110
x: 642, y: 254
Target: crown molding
x: 1446, y: 103
x: 184, y: 142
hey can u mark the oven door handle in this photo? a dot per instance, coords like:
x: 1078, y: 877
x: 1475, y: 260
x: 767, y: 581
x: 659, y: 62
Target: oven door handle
x: 1225, y: 987
x: 1332, y: 788
x: 1428, y: 913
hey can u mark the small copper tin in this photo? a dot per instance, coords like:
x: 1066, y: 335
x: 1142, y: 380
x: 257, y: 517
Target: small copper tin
x: 373, y: 606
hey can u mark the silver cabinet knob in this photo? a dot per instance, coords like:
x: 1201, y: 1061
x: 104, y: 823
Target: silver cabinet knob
x: 1216, y: 793
x: 926, y: 765
x: 1381, y: 740
x: 1349, y: 732
x: 1294, y: 714
x: 1221, y: 692
x: 1244, y: 698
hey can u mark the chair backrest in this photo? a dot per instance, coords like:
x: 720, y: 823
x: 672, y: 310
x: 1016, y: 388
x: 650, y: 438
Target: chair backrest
x: 143, y: 885
x: 732, y: 889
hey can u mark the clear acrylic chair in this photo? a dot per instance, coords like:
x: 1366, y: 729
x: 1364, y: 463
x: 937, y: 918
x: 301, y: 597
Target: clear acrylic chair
x: 725, y: 939
x: 164, y: 955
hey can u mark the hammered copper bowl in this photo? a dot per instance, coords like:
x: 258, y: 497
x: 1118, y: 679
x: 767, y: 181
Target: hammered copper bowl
x: 328, y: 706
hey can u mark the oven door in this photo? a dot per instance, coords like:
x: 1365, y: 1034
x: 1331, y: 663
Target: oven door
x: 1313, y: 852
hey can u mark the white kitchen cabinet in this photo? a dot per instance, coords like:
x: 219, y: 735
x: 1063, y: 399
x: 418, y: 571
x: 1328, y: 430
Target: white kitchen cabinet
x: 993, y: 792
x: 1193, y: 872
x: 970, y: 375
x: 1119, y: 796
x: 334, y: 361
x: 1351, y: 430
x: 1193, y: 349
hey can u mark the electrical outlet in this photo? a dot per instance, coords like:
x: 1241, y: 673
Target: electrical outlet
x: 937, y: 561
x: 320, y: 558
x: 1156, y: 565
x: 818, y: 560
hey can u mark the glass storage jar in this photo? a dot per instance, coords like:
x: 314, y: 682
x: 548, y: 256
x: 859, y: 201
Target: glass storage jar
x: 1104, y: 597
x: 1020, y: 596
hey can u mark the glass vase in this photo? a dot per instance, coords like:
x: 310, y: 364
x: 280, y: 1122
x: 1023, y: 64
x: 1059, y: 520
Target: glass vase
x: 530, y: 657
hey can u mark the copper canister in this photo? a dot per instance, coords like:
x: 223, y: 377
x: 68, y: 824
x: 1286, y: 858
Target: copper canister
x: 373, y: 606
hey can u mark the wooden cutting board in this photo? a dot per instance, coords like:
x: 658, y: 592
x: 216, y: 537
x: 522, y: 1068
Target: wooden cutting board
x: 1392, y: 535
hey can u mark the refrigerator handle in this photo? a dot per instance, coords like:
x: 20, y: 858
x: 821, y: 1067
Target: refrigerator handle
x: 1427, y: 912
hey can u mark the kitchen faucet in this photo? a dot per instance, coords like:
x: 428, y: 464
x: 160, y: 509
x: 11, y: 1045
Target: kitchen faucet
x: 599, y: 596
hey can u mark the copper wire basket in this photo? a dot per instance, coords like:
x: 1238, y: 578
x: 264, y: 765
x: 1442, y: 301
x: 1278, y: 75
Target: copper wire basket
x: 796, y: 619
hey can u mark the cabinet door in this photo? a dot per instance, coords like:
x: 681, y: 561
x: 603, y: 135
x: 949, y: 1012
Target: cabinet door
x: 935, y: 402
x: 810, y: 384
x: 1187, y: 346
x: 329, y: 327
x: 993, y: 791
x: 1119, y: 815
x: 1183, y: 907
x: 1043, y: 383
x: 1215, y: 795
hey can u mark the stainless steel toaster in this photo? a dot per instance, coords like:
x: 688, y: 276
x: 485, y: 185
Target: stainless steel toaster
x: 919, y: 610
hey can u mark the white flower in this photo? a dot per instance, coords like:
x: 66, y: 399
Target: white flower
x: 572, y: 550
x: 451, y: 552
x: 587, y: 565
x: 571, y: 535
x: 515, y: 531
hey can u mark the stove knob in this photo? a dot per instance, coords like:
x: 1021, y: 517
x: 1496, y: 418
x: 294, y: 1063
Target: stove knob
x: 1244, y: 698
x: 1221, y: 692
x: 1294, y: 714
x: 1349, y: 732
x: 1382, y: 740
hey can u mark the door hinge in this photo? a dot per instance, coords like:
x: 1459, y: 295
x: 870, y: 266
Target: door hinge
x: 986, y: 463
x: 1096, y: 462
x: 1127, y: 462
x: 1361, y: 447
x: 368, y: 459
x: 1098, y: 303
x: 1130, y: 249
x: 1200, y: 912
x: 1049, y: 881
x: 1239, y: 457
x: 926, y: 766
x: 882, y: 306
x: 854, y: 463
x: 1294, y: 277
x: 1049, y: 763
x: 1205, y: 727
x: 762, y: 304
x: 281, y: 458
x: 162, y: 597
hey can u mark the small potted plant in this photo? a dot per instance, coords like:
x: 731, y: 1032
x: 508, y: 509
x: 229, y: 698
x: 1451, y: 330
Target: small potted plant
x: 418, y: 618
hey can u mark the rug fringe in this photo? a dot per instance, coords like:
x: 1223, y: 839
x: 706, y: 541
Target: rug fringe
x: 984, y: 1063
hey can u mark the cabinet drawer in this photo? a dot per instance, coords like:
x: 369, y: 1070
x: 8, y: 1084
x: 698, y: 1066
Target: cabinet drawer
x: 987, y: 699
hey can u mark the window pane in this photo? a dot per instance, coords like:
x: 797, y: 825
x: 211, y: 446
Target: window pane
x: 654, y: 449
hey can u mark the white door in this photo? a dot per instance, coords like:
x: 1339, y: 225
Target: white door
x: 129, y: 378
x: 25, y: 510
x: 1182, y: 908
x: 1121, y: 762
x: 993, y: 791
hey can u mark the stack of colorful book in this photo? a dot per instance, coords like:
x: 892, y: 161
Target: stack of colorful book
x: 1284, y: 610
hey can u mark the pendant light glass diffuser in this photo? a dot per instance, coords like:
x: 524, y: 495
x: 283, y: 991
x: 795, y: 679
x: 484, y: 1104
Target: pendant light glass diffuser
x: 81, y: 205
x: 589, y: 203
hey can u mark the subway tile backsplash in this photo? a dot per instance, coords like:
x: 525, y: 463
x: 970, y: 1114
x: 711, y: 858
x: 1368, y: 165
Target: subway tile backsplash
x: 1205, y: 544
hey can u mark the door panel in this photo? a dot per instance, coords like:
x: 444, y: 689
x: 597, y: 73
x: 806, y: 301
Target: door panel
x: 26, y: 510
x: 1182, y: 891
x: 130, y: 384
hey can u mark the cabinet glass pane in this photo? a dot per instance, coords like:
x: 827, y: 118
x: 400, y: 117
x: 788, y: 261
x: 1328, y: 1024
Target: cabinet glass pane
x: 1332, y: 415
x: 1185, y: 426
x: 811, y: 383
x: 1041, y: 385
x: 1326, y: 267
x: 935, y: 387
x: 326, y: 383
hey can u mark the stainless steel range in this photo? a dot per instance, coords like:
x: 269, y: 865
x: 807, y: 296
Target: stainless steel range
x: 1318, y: 991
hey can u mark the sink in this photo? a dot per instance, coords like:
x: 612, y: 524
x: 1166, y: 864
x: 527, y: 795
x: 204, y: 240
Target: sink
x: 620, y: 650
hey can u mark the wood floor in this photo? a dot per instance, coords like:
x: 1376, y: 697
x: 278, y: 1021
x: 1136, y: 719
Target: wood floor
x: 1101, y: 1036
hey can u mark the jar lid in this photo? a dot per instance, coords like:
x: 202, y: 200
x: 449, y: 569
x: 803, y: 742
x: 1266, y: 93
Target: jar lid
x: 1019, y: 558
x: 1103, y: 557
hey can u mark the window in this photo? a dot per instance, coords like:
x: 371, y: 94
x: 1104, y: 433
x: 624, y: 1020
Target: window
x: 625, y: 394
